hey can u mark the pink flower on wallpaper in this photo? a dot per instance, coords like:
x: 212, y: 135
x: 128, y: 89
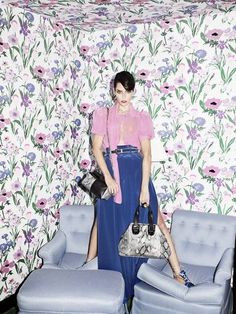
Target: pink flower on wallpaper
x: 84, y: 107
x: 57, y: 90
x: 57, y: 26
x: 213, y: 103
x: 40, y: 138
x: 84, y: 49
x: 66, y: 145
x: 41, y: 203
x: 84, y: 164
x: 13, y: 39
x: 211, y: 171
x: 103, y: 63
x: 4, y: 195
x: 139, y: 1
x: 142, y: 74
x: 167, y: 23
x: 169, y: 151
x: 67, y: 202
x: 3, y: 121
x: 18, y: 254
x: 233, y: 189
x: 166, y: 88
x: 39, y: 71
x: 14, y: 114
x: 6, y: 267
x: 214, y: 34
x: 16, y: 186
x: 102, y: 1
x: 180, y: 81
x: 57, y: 152
x: 66, y: 84
x: 3, y: 46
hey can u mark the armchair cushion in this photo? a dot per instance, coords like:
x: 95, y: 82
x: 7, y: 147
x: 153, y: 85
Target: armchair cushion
x: 202, y: 293
x: 52, y: 252
x: 72, y: 260
x: 223, y: 270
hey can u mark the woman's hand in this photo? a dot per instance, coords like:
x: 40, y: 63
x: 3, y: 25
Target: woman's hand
x: 144, y: 197
x: 111, y: 184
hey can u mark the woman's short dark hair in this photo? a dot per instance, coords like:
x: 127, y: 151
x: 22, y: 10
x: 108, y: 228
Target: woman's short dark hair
x: 126, y: 79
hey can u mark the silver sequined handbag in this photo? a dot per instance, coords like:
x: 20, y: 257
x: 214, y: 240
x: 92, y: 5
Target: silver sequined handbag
x: 144, y: 240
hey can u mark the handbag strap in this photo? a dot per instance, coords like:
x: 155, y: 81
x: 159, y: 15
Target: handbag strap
x: 136, y: 227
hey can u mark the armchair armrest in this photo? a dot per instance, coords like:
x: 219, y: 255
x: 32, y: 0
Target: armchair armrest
x: 203, y: 293
x: 223, y: 270
x: 52, y: 252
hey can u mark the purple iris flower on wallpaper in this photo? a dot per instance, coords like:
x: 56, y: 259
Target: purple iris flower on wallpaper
x: 191, y: 198
x: 24, y: 29
x: 194, y: 67
x: 74, y: 190
x: 192, y: 134
x: 25, y: 100
x: 26, y: 169
x: 73, y: 73
x: 74, y: 133
x: 126, y: 41
x: 28, y: 236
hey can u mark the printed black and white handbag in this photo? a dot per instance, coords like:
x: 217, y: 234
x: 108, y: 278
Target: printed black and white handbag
x: 144, y: 240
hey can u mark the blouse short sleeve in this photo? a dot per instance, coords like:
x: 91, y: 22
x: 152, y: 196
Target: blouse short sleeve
x: 146, y: 130
x: 99, y: 121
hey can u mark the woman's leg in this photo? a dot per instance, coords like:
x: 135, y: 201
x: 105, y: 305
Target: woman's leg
x: 173, y: 259
x: 92, y: 248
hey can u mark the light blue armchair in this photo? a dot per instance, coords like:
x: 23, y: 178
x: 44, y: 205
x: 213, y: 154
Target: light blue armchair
x: 205, y: 246
x: 62, y: 286
x: 68, y: 248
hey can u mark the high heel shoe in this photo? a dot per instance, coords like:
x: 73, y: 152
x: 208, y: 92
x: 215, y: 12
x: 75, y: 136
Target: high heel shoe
x: 183, y: 278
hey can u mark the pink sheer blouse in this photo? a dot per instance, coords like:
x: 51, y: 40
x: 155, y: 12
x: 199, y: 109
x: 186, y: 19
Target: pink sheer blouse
x: 122, y: 129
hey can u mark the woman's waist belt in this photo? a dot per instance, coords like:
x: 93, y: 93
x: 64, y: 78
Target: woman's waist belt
x: 121, y: 150
x: 125, y: 150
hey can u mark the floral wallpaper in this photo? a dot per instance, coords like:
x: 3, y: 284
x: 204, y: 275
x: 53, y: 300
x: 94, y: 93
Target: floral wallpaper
x: 107, y: 14
x: 52, y: 77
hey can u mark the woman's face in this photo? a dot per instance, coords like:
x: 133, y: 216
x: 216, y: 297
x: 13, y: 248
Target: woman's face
x: 123, y: 96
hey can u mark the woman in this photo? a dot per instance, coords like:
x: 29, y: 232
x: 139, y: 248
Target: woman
x: 121, y: 146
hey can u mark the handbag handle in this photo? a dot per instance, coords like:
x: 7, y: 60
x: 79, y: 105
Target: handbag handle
x: 136, y: 226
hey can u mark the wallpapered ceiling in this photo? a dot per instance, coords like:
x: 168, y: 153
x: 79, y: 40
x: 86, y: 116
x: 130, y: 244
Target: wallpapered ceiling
x: 105, y: 14
x: 52, y: 76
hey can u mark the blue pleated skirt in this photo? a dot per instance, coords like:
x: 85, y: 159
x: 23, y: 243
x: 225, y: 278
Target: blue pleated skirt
x: 113, y: 219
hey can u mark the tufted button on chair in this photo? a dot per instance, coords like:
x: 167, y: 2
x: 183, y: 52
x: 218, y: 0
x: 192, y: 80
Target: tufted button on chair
x: 205, y: 246
x: 68, y: 248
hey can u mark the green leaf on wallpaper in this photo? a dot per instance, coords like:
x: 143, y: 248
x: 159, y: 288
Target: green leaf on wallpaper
x: 219, y: 210
x: 222, y: 74
x: 230, y: 119
x: 183, y: 88
x: 228, y: 146
x: 14, y: 58
x: 228, y: 210
x: 232, y: 72
x: 178, y: 160
x: 203, y: 37
x: 183, y: 154
x: 221, y: 144
x: 202, y: 105
x: 232, y: 49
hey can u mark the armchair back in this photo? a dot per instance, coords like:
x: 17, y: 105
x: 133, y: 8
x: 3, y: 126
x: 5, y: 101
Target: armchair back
x: 76, y: 222
x: 201, y: 238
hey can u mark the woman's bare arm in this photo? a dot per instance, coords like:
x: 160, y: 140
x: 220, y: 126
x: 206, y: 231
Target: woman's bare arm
x: 146, y: 171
